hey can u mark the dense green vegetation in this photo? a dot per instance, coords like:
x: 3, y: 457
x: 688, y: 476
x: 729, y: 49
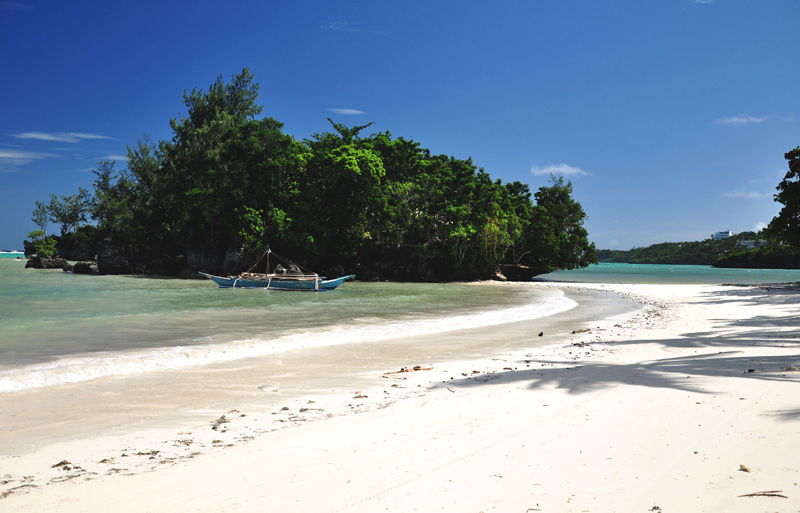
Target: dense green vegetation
x: 706, y: 252
x: 774, y: 256
x: 227, y: 179
x: 44, y: 246
x: 785, y: 227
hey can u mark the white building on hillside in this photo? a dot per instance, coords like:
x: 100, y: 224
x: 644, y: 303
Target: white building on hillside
x: 722, y: 235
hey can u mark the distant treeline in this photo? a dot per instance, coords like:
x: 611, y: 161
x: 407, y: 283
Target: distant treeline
x: 228, y: 184
x: 728, y: 252
x: 774, y: 256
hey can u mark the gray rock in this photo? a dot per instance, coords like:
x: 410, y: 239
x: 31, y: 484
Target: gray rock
x: 518, y: 272
x: 82, y: 268
x: 366, y: 274
x: 166, y: 265
x: 112, y: 259
x: 422, y: 271
x: 188, y: 274
x: 498, y: 276
x: 205, y: 257
x: 81, y: 253
x: 336, y: 272
x: 236, y: 261
x: 37, y: 262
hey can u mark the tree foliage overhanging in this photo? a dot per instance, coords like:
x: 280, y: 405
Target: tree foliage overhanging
x: 785, y: 227
x: 227, y: 179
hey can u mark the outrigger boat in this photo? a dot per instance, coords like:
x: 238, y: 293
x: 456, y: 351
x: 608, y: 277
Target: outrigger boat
x: 293, y: 278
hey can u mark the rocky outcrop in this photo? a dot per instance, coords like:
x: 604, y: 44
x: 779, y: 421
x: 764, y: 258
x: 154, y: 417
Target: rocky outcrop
x: 82, y: 268
x: 81, y: 253
x: 422, y: 271
x: 364, y: 273
x: 37, y: 262
x: 498, y: 276
x: 112, y: 258
x: 117, y: 258
x: 236, y: 261
x: 166, y: 265
x: 382, y: 270
x: 336, y: 272
x: 518, y: 272
x: 188, y: 274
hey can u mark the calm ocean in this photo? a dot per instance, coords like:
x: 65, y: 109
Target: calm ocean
x: 673, y: 274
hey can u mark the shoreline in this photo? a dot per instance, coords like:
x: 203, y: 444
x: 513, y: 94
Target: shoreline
x: 644, y: 360
x: 187, y: 400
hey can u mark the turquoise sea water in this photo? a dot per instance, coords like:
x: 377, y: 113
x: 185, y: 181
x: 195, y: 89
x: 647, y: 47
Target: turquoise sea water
x: 58, y: 328
x: 673, y: 274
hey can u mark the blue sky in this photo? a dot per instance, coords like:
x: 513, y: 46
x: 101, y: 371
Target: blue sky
x: 669, y: 117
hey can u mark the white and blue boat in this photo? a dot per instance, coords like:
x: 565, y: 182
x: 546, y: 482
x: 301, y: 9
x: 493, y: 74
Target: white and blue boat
x: 292, y: 278
x: 275, y: 281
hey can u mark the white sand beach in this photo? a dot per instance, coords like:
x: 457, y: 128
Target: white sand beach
x: 690, y: 404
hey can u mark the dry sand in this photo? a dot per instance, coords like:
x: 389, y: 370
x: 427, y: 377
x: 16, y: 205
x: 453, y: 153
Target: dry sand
x: 686, y: 405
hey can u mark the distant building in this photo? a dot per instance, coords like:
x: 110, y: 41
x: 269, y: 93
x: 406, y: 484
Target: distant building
x: 752, y: 244
x: 722, y: 235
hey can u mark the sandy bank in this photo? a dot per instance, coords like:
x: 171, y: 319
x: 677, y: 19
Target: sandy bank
x: 658, y: 409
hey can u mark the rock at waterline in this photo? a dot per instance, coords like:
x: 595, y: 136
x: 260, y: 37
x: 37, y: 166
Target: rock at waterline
x: 82, y: 268
x: 40, y: 262
x: 188, y: 274
x: 112, y: 259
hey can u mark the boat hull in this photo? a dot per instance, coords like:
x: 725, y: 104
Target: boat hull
x: 318, y: 285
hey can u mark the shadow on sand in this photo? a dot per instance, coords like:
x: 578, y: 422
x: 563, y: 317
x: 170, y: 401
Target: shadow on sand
x: 687, y: 372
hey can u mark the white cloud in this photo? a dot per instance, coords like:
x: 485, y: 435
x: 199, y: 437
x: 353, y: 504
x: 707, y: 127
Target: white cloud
x: 343, y: 26
x: 116, y: 157
x: 613, y: 242
x: 740, y: 120
x: 17, y: 158
x: 561, y: 169
x: 759, y: 226
x: 10, y: 159
x: 346, y: 26
x: 703, y: 1
x: 68, y: 137
x: 349, y: 112
x: 741, y: 193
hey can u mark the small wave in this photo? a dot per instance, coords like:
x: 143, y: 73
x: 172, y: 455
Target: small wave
x: 75, y: 370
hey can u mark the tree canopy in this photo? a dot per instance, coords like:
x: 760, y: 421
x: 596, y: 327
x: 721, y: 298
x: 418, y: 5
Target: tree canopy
x: 785, y: 227
x: 227, y: 179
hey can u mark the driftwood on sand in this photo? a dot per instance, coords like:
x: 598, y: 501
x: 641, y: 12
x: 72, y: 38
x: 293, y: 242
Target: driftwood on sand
x: 406, y: 369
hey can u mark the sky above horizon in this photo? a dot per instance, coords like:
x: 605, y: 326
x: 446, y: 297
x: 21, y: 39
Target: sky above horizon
x: 670, y: 118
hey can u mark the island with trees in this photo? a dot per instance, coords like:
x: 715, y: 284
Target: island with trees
x: 228, y: 184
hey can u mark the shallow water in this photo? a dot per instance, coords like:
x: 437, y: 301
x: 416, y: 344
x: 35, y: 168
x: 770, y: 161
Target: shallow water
x: 673, y: 274
x: 58, y: 328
